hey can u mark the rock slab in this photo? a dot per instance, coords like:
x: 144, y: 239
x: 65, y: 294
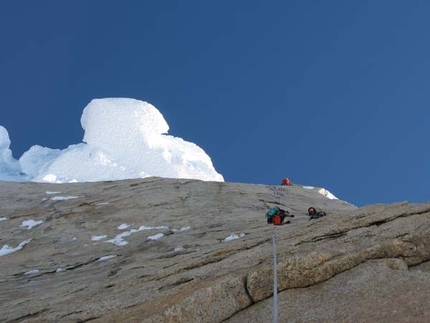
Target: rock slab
x: 170, y: 250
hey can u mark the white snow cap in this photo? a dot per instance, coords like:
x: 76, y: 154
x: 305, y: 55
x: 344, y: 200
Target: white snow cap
x: 124, y: 138
x: 10, y: 169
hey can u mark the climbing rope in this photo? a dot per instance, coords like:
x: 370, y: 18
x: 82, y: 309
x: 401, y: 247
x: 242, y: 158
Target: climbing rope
x: 275, y: 282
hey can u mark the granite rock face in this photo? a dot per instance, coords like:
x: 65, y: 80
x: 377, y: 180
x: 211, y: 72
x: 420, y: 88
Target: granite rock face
x: 170, y: 250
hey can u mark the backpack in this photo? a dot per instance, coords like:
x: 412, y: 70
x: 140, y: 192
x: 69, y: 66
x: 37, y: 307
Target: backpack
x: 272, y: 211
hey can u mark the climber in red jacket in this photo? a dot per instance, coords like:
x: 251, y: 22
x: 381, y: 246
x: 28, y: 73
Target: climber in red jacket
x: 286, y: 181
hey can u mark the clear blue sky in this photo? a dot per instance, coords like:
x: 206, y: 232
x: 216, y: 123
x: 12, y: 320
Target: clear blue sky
x: 328, y: 93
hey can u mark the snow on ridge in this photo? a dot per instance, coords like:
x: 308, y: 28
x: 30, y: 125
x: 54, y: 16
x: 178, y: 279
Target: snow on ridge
x: 123, y: 226
x: 123, y: 139
x: 156, y: 236
x: 106, y: 257
x: 32, y: 272
x: 10, y: 167
x: 119, y: 241
x: 327, y: 194
x: 181, y: 229
x: 6, y: 249
x: 30, y: 224
x: 322, y: 191
x: 143, y: 227
x: 63, y: 198
x: 234, y: 237
x: 98, y: 238
x: 52, y: 192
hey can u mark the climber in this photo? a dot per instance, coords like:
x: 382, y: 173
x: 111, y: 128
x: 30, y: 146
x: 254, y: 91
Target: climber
x: 276, y: 215
x: 314, y: 214
x: 286, y: 181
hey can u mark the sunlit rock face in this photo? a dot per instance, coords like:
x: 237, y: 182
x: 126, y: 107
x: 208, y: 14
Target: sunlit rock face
x: 165, y: 250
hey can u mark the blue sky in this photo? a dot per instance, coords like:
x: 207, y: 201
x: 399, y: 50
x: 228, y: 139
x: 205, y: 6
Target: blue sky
x: 328, y: 93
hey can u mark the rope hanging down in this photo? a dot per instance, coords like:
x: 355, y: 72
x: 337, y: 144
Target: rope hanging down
x: 275, y: 283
